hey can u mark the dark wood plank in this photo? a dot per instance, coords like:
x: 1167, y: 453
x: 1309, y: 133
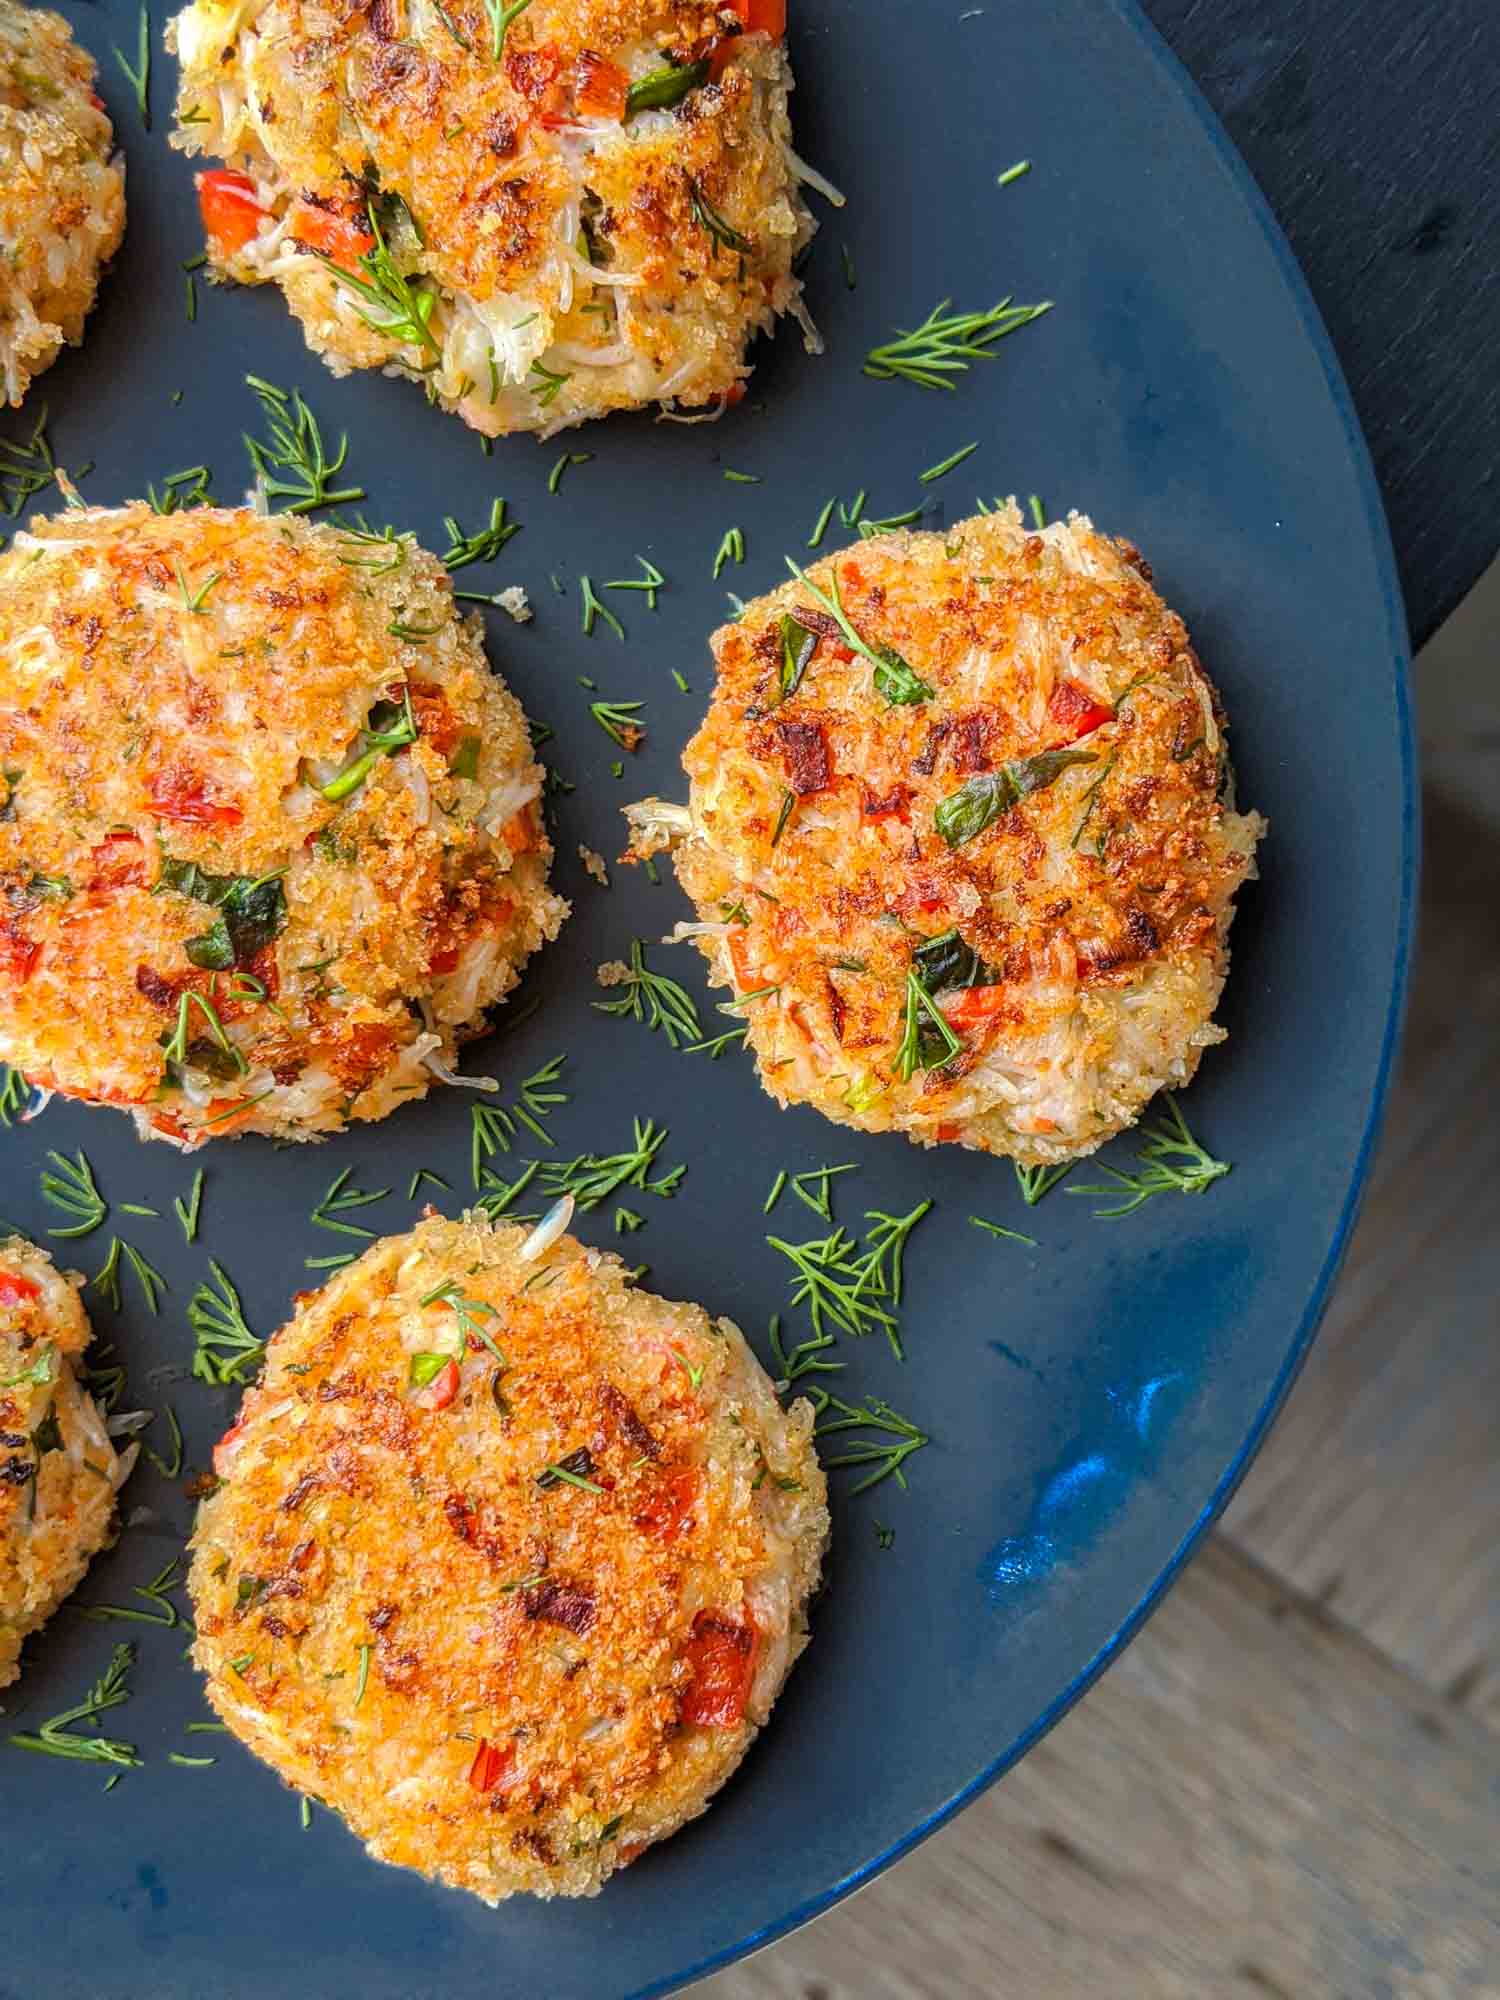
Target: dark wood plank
x: 1374, y: 131
x: 1252, y: 1804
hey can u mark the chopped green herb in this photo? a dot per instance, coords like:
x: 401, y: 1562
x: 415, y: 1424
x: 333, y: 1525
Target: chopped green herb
x: 470, y: 1313
x: 568, y: 458
x: 927, y: 1041
x: 804, y: 1359
x: 655, y: 1000
x: 296, y: 448
x: 423, y: 1174
x: 482, y: 546
x: 1038, y: 513
x: 388, y: 300
x: 73, y: 1189
x: 1008, y: 1235
x: 839, y: 1282
x: 156, y: 1593
x: 886, y: 1460
x: 788, y: 800
x: 651, y: 582
x: 502, y: 13
x: 169, y: 1468
x: 494, y: 1125
x: 592, y: 1178
x: 731, y: 549
x: 1034, y: 1182
x: 946, y: 465
x: 550, y: 384
x: 979, y: 802
x: 138, y: 74
x: 25, y: 469
x: 338, y: 1199
x: 821, y: 529
x: 107, y: 1278
x: 594, y: 607
x: 225, y: 1349
x: 57, y: 1738
x: 15, y: 1092
x: 1014, y: 173
x: 681, y: 683
x: 947, y: 343
x: 660, y: 89
x: 895, y: 678
x: 742, y: 478
x: 1171, y: 1159
x: 627, y: 1222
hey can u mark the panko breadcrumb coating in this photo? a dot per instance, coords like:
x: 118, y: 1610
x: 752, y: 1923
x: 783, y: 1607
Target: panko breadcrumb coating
x: 595, y: 216
x: 510, y: 1560
x: 62, y: 192
x: 59, y: 1470
x: 961, y: 827
x: 271, y: 840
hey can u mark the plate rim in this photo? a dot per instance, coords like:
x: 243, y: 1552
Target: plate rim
x: 1132, y: 16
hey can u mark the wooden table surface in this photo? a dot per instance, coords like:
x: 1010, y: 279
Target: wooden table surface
x: 1288, y: 1788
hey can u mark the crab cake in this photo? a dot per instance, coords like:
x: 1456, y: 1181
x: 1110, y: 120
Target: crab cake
x: 62, y: 192
x: 270, y: 841
x: 510, y: 1560
x: 961, y: 837
x: 590, y: 209
x: 59, y: 1471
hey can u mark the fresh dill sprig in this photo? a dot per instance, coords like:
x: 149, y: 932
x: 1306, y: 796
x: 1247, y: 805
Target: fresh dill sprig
x: 107, y: 1277
x: 806, y: 1358
x: 70, y: 1186
x: 498, y: 1194
x: 947, y: 343
x: 735, y: 1038
x: 139, y: 73
x: 655, y: 1000
x: 592, y: 1178
x: 594, y: 607
x: 627, y: 1222
x: 813, y: 1188
x: 651, y: 582
x: 15, y: 1092
x: 296, y: 448
x: 494, y: 1125
x: 848, y: 1285
x: 896, y: 680
x: 423, y: 1174
x: 169, y: 1468
x: 868, y: 530
x: 617, y: 720
x: 188, y: 488
x: 887, y: 1461
x: 338, y: 1199
x: 58, y: 1738
x: 1034, y: 1182
x: 946, y: 465
x: 27, y: 468
x: 502, y: 13
x: 551, y: 384
x: 1008, y: 1235
x: 155, y: 1593
x: 927, y: 1041
x: 390, y: 302
x: 730, y: 549
x: 1171, y: 1159
x: 555, y: 477
x: 485, y: 544
x: 225, y: 1349
x: 720, y: 231
x: 187, y: 1212
x: 470, y: 1313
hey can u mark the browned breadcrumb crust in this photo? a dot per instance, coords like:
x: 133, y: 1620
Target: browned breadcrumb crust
x: 518, y: 1620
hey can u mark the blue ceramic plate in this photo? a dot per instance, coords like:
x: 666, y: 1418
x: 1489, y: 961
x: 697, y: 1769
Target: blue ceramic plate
x: 1091, y: 1402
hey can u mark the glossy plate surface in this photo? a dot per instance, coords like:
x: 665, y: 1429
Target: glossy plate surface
x: 1092, y: 1401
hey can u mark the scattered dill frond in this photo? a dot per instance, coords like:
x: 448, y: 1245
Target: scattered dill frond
x: 650, y: 581
x: 494, y: 1125
x: 1171, y: 1159
x: 654, y: 1000
x: 946, y: 465
x: 594, y: 608
x: 498, y: 1194
x: 806, y: 1358
x: 852, y: 1285
x: 813, y: 1188
x: 484, y: 544
x: 156, y: 1594
x: 58, y: 1738
x: 26, y: 468
x: 138, y: 74
x: 423, y: 1174
x: 387, y: 300
x: 188, y: 488
x: 187, y: 1212
x: 501, y: 13
x: 108, y: 1277
x: 592, y: 1178
x: 70, y: 1186
x: 225, y: 1350
x: 1034, y: 1182
x: 555, y: 477
x: 1008, y: 1235
x: 730, y: 549
x: 947, y: 343
x: 886, y: 1460
x: 734, y: 1039
x: 296, y: 448
x: 14, y: 1093
x: 338, y: 1199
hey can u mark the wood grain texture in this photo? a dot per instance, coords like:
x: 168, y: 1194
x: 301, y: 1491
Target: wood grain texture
x: 1251, y: 1803
x: 1374, y: 131
x: 1379, y: 1490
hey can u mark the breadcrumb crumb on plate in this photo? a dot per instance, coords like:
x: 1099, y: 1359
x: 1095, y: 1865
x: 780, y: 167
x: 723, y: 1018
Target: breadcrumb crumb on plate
x: 62, y: 192
x: 510, y: 1560
x: 271, y: 836
x: 596, y: 213
x: 59, y: 1470
x: 962, y: 837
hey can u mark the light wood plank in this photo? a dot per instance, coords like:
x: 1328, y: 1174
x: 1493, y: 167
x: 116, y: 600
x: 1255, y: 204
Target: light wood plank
x: 1252, y: 1803
x: 1379, y: 1490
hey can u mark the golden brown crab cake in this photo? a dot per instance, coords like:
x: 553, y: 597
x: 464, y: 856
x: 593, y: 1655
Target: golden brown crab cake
x: 59, y: 1470
x: 62, y: 192
x: 271, y: 840
x: 510, y: 1560
x: 597, y: 216
x: 960, y: 817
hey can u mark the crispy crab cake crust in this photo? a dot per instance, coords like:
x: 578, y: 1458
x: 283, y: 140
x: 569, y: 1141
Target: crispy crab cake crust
x: 575, y: 262
x: 173, y: 692
x: 501, y: 1677
x: 1085, y: 910
x: 62, y: 192
x: 59, y: 1471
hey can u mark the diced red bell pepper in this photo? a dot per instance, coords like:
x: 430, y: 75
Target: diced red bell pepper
x: 1075, y: 712
x: 119, y: 862
x: 344, y: 238
x: 722, y: 1657
x: 16, y: 1290
x: 973, y: 1006
x: 232, y: 215
x: 445, y: 960
x: 182, y: 795
x: 601, y: 89
x: 765, y: 17
x: 18, y: 954
x: 441, y: 1390
x: 491, y: 1767
x: 227, y: 1449
x: 669, y: 1507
